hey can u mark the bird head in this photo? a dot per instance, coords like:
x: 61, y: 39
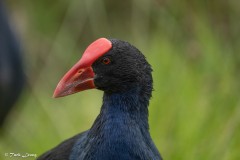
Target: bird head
x: 110, y: 65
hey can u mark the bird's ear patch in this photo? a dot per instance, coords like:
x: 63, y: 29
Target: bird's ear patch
x: 95, y: 50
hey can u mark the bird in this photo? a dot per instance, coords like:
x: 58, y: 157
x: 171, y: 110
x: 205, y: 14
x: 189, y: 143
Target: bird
x: 12, y: 77
x: 121, y: 130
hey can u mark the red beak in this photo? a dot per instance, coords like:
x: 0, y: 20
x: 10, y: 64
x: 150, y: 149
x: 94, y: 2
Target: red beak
x: 75, y: 80
x: 81, y: 76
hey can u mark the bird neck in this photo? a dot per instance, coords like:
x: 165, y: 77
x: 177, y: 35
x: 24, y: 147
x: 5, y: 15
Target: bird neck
x: 121, y: 111
x: 120, y: 131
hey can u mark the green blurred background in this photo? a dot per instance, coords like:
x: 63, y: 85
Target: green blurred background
x: 193, y: 47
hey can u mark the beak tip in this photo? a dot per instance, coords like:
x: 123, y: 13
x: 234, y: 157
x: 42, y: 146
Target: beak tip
x: 56, y: 93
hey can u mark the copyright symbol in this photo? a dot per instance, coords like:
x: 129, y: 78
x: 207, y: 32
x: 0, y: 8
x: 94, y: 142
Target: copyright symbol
x: 6, y: 154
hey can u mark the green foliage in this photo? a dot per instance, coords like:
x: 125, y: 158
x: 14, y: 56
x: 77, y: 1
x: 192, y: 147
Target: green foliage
x: 193, y: 47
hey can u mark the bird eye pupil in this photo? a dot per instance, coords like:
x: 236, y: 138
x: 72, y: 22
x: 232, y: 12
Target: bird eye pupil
x: 106, y: 60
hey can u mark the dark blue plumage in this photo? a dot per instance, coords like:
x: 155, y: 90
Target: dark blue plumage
x: 121, y: 130
x: 11, y: 68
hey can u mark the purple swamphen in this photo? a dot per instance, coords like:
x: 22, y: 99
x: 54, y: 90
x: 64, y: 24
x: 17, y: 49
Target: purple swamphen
x: 121, y: 130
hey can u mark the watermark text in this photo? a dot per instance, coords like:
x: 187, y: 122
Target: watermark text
x: 20, y: 155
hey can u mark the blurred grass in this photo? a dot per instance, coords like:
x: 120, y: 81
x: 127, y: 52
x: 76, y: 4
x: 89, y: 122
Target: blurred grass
x: 193, y: 47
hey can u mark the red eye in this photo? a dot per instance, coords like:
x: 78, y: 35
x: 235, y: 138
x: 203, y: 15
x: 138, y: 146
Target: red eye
x: 106, y: 61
